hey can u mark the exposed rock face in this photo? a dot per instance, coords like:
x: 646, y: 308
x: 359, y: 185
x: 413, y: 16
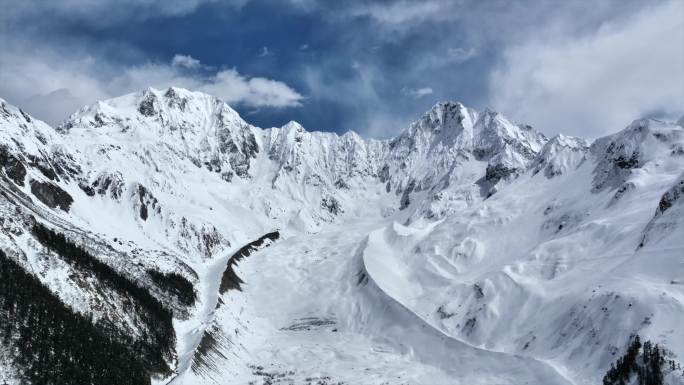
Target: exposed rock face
x: 332, y: 205
x: 667, y: 214
x: 174, y: 100
x: 51, y: 195
x: 14, y: 168
x: 621, y: 154
x: 623, y: 190
x: 497, y: 172
x: 405, y: 196
x: 671, y: 197
x: 147, y: 108
x: 28, y: 145
x: 147, y: 202
x: 110, y: 185
x: 618, y: 155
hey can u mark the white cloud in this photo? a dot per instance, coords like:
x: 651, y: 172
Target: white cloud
x: 417, y: 93
x: 51, y: 85
x: 104, y: 12
x: 226, y: 84
x: 461, y: 55
x: 185, y: 61
x: 256, y: 92
x: 46, y: 86
x: 399, y: 13
x: 543, y: 79
x: 596, y: 84
x: 265, y: 52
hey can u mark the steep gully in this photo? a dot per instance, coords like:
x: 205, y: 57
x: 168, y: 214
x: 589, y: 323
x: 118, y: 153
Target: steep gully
x: 197, y: 342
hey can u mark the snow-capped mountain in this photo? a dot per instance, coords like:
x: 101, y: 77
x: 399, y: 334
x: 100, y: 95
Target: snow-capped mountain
x: 199, y: 249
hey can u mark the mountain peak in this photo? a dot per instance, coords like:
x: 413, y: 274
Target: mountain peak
x: 174, y: 108
x: 446, y: 122
x: 566, y: 141
x: 642, y: 142
x: 448, y: 104
x: 293, y: 125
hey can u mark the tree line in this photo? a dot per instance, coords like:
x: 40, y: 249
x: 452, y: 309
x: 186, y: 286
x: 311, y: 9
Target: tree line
x: 646, y: 361
x: 156, y: 343
x: 53, y: 345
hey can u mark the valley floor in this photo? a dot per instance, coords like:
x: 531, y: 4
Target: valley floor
x: 312, y: 315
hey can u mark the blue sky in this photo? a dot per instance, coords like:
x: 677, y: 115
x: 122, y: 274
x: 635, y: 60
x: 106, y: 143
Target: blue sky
x: 578, y: 67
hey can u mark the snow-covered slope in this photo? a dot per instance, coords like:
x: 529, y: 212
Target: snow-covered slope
x: 467, y: 249
x: 545, y: 268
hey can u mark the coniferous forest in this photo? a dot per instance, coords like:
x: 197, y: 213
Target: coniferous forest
x: 138, y: 356
x: 644, y: 362
x: 51, y: 343
x: 176, y: 285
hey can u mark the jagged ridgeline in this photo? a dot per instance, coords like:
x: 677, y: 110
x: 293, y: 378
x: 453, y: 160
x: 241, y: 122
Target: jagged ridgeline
x: 47, y: 337
x: 546, y: 251
x: 230, y: 280
x: 52, y: 344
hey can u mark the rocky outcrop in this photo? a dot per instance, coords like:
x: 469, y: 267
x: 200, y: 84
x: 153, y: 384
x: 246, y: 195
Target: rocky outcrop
x: 618, y: 156
x: 14, y: 168
x: 51, y: 195
x: 148, y: 203
x: 672, y: 197
x: 147, y: 106
x: 109, y: 184
x: 667, y: 215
